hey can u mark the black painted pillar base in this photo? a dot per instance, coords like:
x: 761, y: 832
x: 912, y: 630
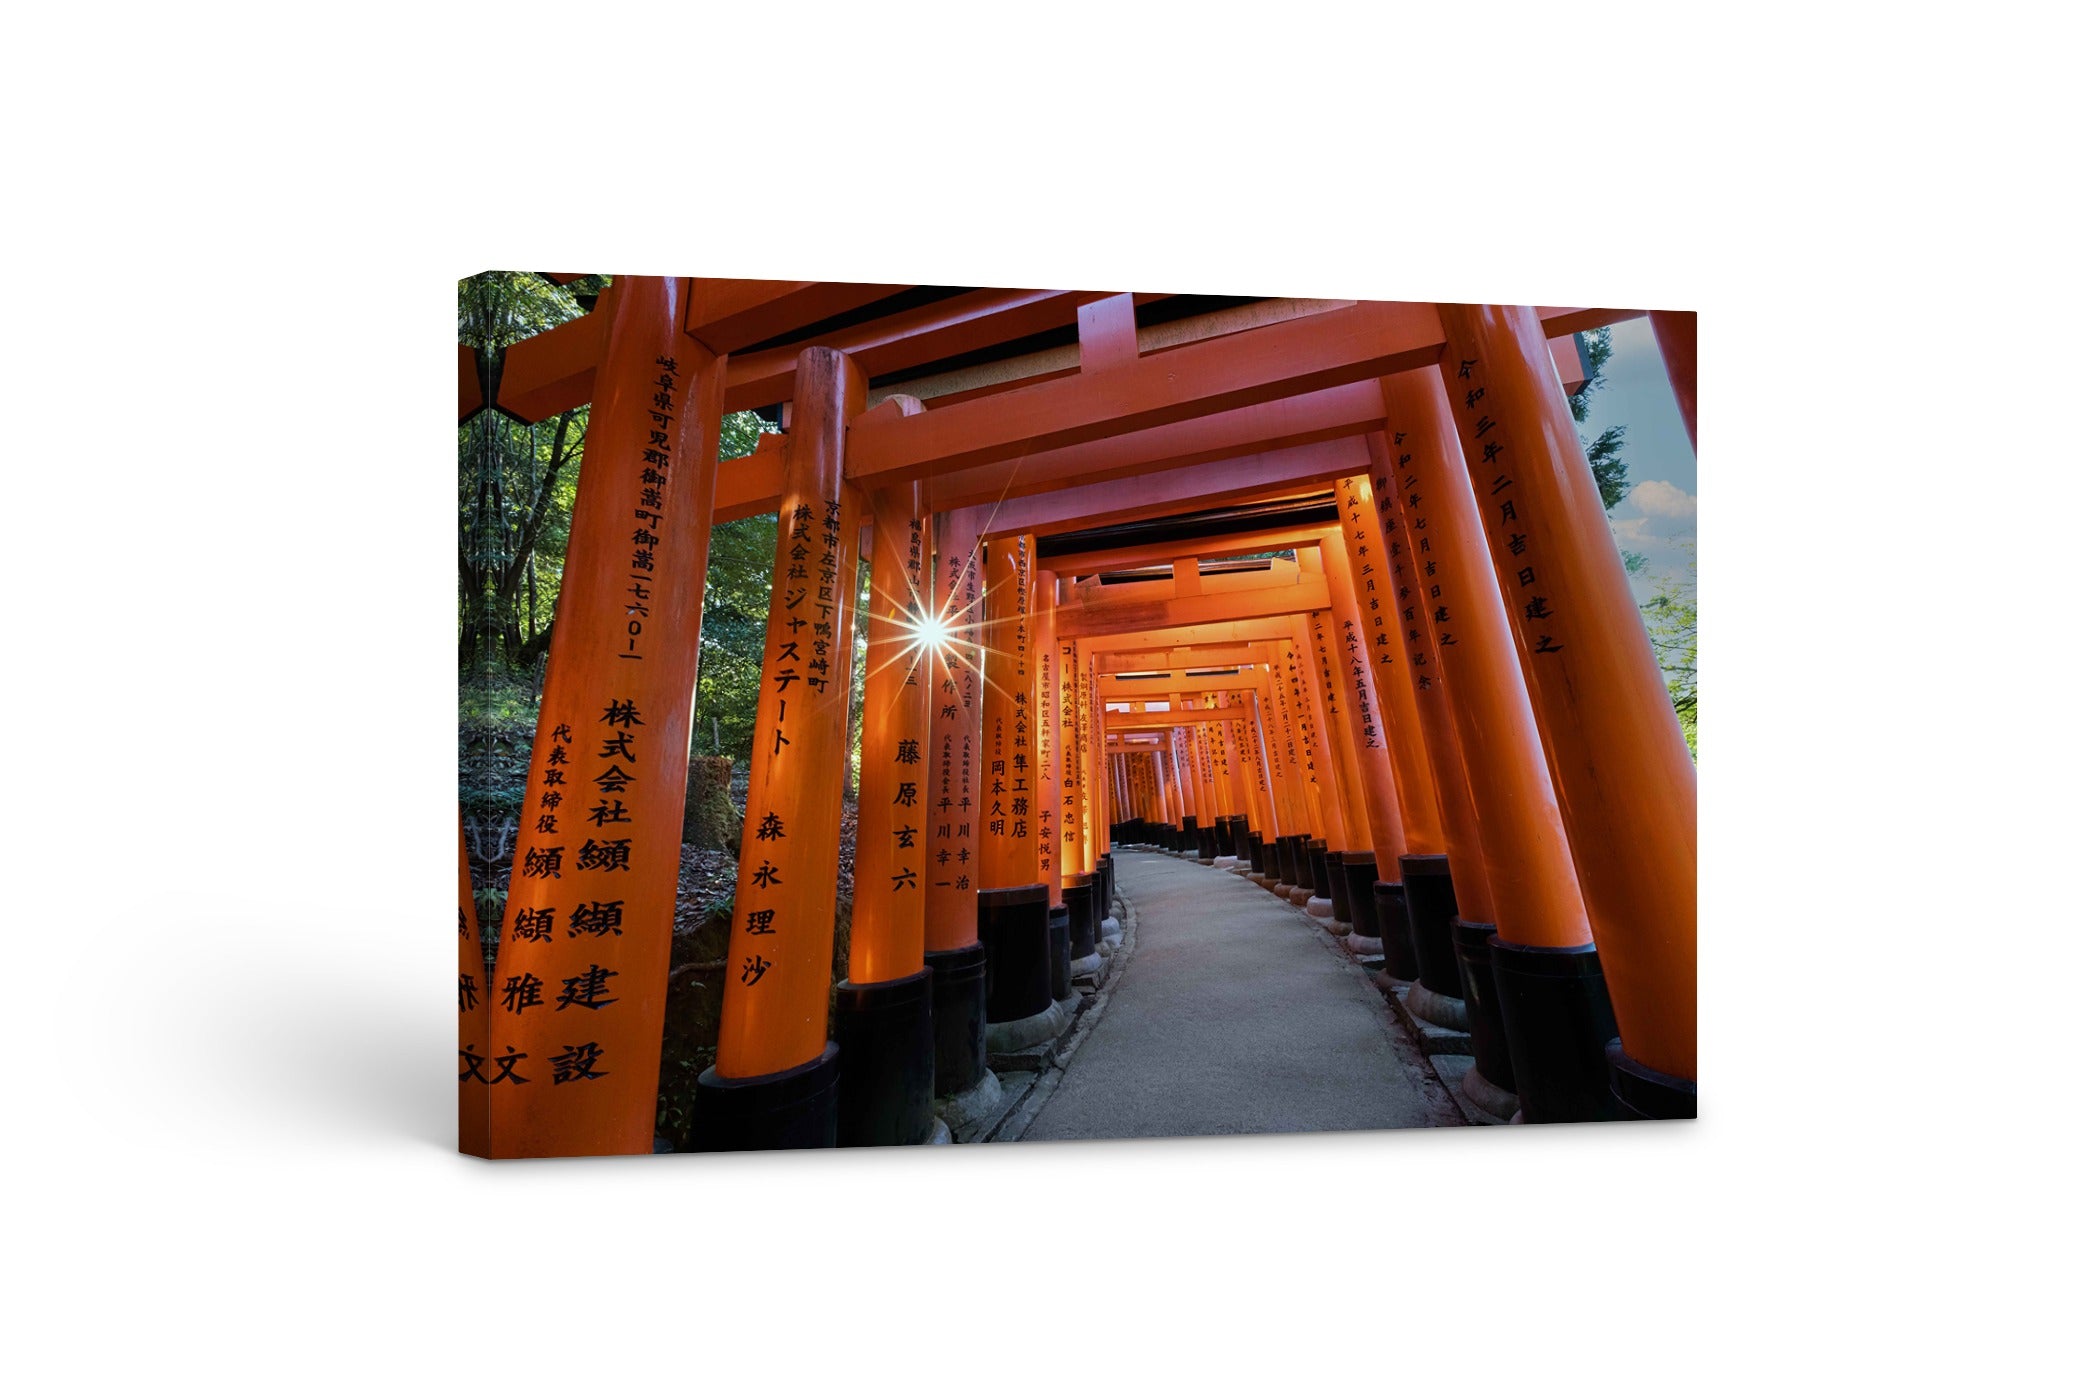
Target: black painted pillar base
x: 1483, y: 1004
x: 958, y: 1019
x: 1242, y: 840
x: 1359, y: 871
x: 1206, y: 844
x: 1301, y: 861
x: 1557, y: 1017
x: 1060, y: 951
x: 1316, y: 866
x: 885, y: 1040
x: 1389, y: 898
x: 1648, y: 1093
x: 1337, y: 884
x: 1254, y: 844
x: 1432, y: 903
x: 1079, y: 903
x: 1271, y: 866
x: 794, y: 1108
x: 1188, y: 842
x: 1013, y: 924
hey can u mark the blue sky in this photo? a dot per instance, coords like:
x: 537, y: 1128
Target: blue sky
x: 1660, y: 515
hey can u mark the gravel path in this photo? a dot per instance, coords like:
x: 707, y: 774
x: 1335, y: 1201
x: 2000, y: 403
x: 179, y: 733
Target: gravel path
x: 1232, y: 1017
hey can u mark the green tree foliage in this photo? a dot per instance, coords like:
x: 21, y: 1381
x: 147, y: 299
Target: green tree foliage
x: 1672, y: 615
x: 517, y: 484
x: 1603, y: 450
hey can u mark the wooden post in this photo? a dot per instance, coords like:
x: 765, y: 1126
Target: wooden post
x: 1677, y: 337
x: 1316, y: 635
x: 1425, y: 672
x: 1362, y: 565
x: 1619, y: 760
x: 890, y: 870
x: 1455, y: 624
x: 1008, y: 845
x: 884, y: 1011
x: 576, y: 1012
x: 951, y: 897
x: 1370, y: 740
x: 775, y: 1078
x: 1013, y: 906
x: 953, y: 953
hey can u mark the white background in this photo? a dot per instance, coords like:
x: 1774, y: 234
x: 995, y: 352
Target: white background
x: 230, y: 576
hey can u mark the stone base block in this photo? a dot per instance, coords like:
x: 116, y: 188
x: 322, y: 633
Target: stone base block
x: 1487, y: 1096
x: 1004, y: 1037
x: 1320, y: 908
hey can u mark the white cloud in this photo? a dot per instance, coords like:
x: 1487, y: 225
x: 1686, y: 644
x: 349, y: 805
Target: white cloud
x: 1660, y: 498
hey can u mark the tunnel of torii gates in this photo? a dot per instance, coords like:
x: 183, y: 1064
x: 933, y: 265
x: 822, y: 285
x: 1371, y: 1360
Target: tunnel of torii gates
x: 1320, y: 591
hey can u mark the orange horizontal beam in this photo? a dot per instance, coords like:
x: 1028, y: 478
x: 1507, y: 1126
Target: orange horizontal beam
x: 1214, y: 376
x: 1174, y: 658
x: 1300, y: 420
x: 955, y: 326
x: 728, y: 313
x: 1136, y: 556
x: 552, y: 371
x: 1176, y: 685
x: 1110, y: 619
x: 1566, y: 320
x: 1262, y: 629
x: 1237, y: 481
x: 469, y: 384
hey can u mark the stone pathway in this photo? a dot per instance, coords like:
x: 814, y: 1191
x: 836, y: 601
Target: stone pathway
x: 1235, y: 1015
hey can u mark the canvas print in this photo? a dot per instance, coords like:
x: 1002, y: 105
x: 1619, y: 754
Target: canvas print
x: 897, y: 715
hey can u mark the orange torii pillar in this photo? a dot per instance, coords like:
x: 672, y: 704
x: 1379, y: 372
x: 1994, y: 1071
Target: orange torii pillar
x: 775, y: 1078
x: 1315, y: 635
x: 1224, y: 790
x: 1051, y: 761
x: 1068, y: 816
x: 1373, y: 744
x: 577, y: 1002
x: 1453, y: 885
x: 1185, y: 781
x: 1254, y: 763
x: 884, y: 1011
x: 1384, y: 655
x: 1285, y: 777
x: 1240, y: 820
x: 1100, y: 855
x: 1297, y: 861
x: 1013, y: 906
x: 1533, y: 997
x: 473, y: 1013
x: 1324, y: 802
x: 1619, y: 761
x: 1281, y: 797
x: 1677, y: 337
x: 961, y: 1079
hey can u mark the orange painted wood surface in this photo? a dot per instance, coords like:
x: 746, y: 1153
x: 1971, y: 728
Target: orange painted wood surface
x: 576, y: 1021
x: 1452, y: 604
x: 1618, y: 757
x: 776, y: 1000
x: 1007, y: 847
x: 956, y: 730
x: 1677, y: 337
x: 1359, y: 548
x: 891, y: 870
x: 1274, y: 362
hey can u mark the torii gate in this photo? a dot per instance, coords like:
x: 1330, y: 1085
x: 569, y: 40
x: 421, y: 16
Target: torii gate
x: 1549, y: 703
